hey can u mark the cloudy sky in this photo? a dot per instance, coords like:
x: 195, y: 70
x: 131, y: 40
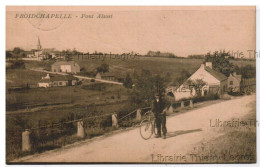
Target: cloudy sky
x: 180, y: 30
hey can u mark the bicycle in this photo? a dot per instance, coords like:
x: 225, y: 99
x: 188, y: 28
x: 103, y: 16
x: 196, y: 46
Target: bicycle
x: 148, y: 126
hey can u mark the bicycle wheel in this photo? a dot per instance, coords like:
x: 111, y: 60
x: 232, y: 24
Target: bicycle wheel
x: 146, y: 129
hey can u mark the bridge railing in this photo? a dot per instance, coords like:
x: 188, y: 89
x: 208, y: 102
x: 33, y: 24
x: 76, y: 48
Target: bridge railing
x: 80, y: 126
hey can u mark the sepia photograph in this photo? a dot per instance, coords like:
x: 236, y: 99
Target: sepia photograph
x: 130, y: 84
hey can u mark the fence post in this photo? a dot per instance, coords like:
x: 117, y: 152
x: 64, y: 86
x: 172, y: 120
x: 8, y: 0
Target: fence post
x: 26, y: 145
x: 182, y: 104
x: 191, y: 104
x: 114, y: 120
x: 80, y: 131
x: 138, y: 115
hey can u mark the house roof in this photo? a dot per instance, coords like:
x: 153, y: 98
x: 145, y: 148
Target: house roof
x: 62, y: 77
x: 72, y: 63
x: 44, y: 80
x: 216, y: 74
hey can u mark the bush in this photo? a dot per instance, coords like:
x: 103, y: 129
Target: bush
x: 206, y: 98
x: 17, y: 64
x: 235, y: 93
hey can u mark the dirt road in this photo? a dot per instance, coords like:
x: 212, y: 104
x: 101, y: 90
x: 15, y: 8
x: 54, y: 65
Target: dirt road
x: 184, y: 131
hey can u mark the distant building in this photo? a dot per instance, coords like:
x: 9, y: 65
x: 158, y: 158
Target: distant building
x: 57, y: 80
x: 216, y: 82
x: 106, y: 76
x: 65, y: 66
x: 39, y: 53
x: 234, y: 81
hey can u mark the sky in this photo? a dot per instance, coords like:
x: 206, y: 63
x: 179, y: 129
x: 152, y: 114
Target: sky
x: 180, y: 30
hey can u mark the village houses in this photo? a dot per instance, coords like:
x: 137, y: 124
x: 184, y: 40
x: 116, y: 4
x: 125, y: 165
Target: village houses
x: 57, y: 80
x: 39, y: 53
x: 216, y: 82
x: 106, y: 76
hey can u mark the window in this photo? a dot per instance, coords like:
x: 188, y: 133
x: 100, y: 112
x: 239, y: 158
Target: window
x: 60, y: 83
x: 230, y: 82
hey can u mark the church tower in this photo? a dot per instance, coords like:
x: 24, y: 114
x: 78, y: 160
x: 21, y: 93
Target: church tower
x: 39, y: 46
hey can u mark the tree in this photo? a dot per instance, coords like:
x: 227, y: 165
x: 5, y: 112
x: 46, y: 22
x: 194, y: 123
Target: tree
x: 146, y: 86
x: 128, y: 81
x: 8, y: 54
x: 220, y: 62
x: 247, y: 71
x: 196, y: 84
x: 68, y: 54
x: 23, y: 55
x: 103, y: 68
x: 17, y: 50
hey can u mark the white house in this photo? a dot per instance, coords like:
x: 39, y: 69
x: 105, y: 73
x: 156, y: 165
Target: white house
x: 216, y: 82
x: 45, y: 82
x: 65, y: 66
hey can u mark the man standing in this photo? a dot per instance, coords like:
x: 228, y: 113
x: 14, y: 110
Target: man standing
x: 160, y: 116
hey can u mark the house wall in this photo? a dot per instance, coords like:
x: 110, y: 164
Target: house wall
x: 74, y: 82
x: 62, y: 83
x: 65, y: 68
x: 98, y: 76
x: 223, y: 87
x: 55, y: 68
x: 183, y: 93
x: 44, y: 85
x: 75, y: 68
x: 233, y: 84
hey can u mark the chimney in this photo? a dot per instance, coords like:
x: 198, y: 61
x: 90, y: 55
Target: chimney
x: 234, y: 74
x: 48, y: 76
x: 209, y: 64
x: 202, y: 66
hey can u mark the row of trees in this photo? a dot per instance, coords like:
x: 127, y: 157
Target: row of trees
x: 15, y: 53
x: 221, y: 62
x: 160, y: 54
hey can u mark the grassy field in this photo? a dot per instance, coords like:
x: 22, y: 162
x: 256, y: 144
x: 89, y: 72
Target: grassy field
x: 80, y: 94
x: 236, y: 145
x: 22, y: 77
x: 155, y: 65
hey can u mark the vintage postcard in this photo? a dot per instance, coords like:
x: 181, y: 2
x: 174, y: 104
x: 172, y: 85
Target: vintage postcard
x: 131, y: 84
